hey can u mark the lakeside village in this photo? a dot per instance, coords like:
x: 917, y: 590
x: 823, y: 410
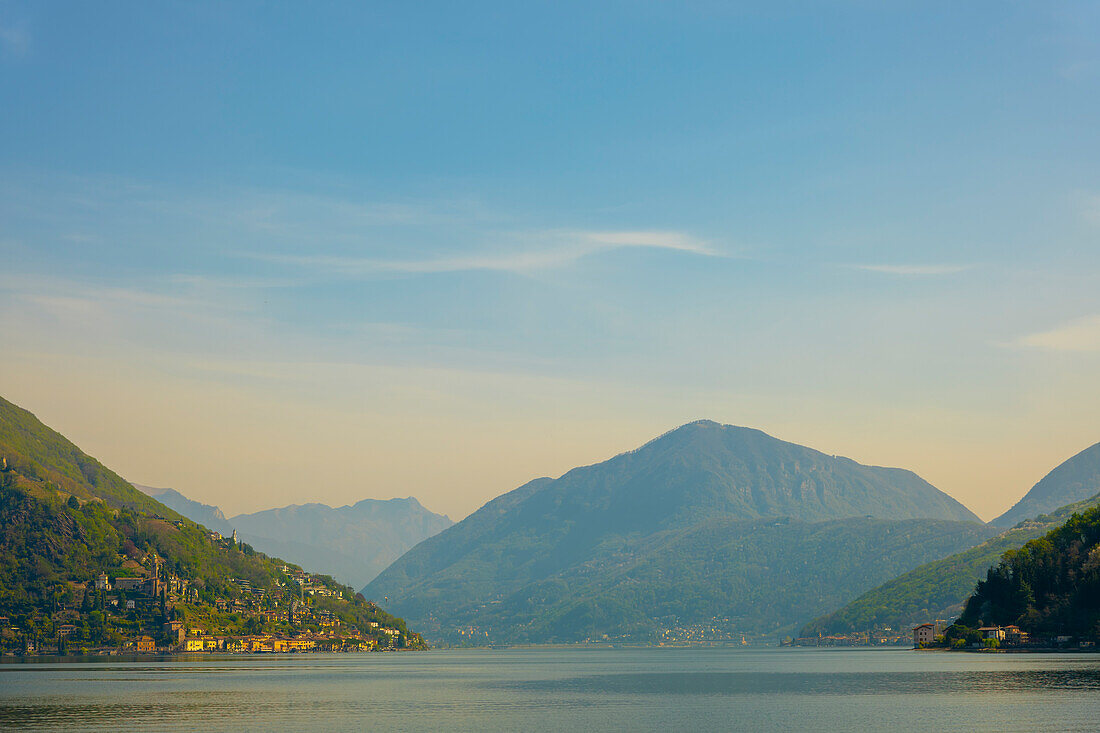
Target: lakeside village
x: 947, y: 635
x: 148, y: 609
x: 940, y: 635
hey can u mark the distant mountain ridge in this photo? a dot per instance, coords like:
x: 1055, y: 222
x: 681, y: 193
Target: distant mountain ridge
x: 208, y: 516
x: 1075, y: 479
x: 673, y: 533
x: 352, y: 543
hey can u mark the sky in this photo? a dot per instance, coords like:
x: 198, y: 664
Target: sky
x: 272, y: 253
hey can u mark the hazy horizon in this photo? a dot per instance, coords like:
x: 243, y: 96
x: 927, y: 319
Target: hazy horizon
x: 324, y: 254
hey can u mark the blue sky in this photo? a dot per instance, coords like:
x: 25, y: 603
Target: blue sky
x: 347, y: 250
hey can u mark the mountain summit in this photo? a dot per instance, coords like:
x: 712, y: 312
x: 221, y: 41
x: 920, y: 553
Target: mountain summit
x: 705, y: 521
x: 1075, y: 479
x: 705, y: 468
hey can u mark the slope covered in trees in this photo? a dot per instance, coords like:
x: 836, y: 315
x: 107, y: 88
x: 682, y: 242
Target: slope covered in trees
x: 65, y: 520
x: 44, y: 457
x: 709, y: 526
x: 1050, y: 587
x: 938, y: 589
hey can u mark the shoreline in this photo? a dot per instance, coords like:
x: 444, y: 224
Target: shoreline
x: 1025, y: 650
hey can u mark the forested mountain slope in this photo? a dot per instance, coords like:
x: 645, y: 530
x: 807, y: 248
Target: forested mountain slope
x: 707, y: 524
x: 1049, y: 588
x: 65, y: 520
x: 936, y: 590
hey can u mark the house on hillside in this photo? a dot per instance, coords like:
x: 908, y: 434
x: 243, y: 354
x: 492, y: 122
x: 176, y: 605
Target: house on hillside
x: 174, y: 630
x: 992, y: 632
x: 144, y: 644
x: 1015, y: 635
x: 125, y: 584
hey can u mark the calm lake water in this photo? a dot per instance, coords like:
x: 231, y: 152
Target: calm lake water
x: 554, y: 689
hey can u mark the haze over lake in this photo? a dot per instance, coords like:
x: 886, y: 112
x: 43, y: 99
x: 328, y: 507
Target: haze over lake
x: 560, y: 689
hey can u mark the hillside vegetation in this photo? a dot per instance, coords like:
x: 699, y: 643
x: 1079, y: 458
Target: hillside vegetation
x: 939, y: 589
x: 935, y: 590
x: 1050, y: 587
x: 65, y: 520
x: 45, y: 459
x: 709, y: 530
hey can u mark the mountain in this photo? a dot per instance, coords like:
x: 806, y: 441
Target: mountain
x: 707, y: 526
x: 351, y: 543
x: 1050, y: 587
x: 1076, y: 479
x: 207, y: 515
x: 87, y: 559
x: 939, y: 589
x: 43, y: 457
x: 354, y: 542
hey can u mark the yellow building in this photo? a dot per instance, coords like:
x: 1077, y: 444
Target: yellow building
x: 193, y: 645
x: 260, y: 644
x: 144, y: 644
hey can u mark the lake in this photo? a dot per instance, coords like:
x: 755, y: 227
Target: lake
x: 576, y: 689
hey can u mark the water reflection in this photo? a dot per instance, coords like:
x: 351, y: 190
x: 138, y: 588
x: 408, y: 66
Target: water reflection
x: 559, y: 690
x: 838, y: 683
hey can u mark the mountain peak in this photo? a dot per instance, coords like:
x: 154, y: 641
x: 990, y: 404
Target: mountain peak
x: 650, y: 529
x: 699, y: 432
x: 1074, y: 479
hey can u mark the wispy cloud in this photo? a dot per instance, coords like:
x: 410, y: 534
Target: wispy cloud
x: 1081, y: 335
x: 657, y: 239
x: 914, y: 270
x: 563, y: 249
